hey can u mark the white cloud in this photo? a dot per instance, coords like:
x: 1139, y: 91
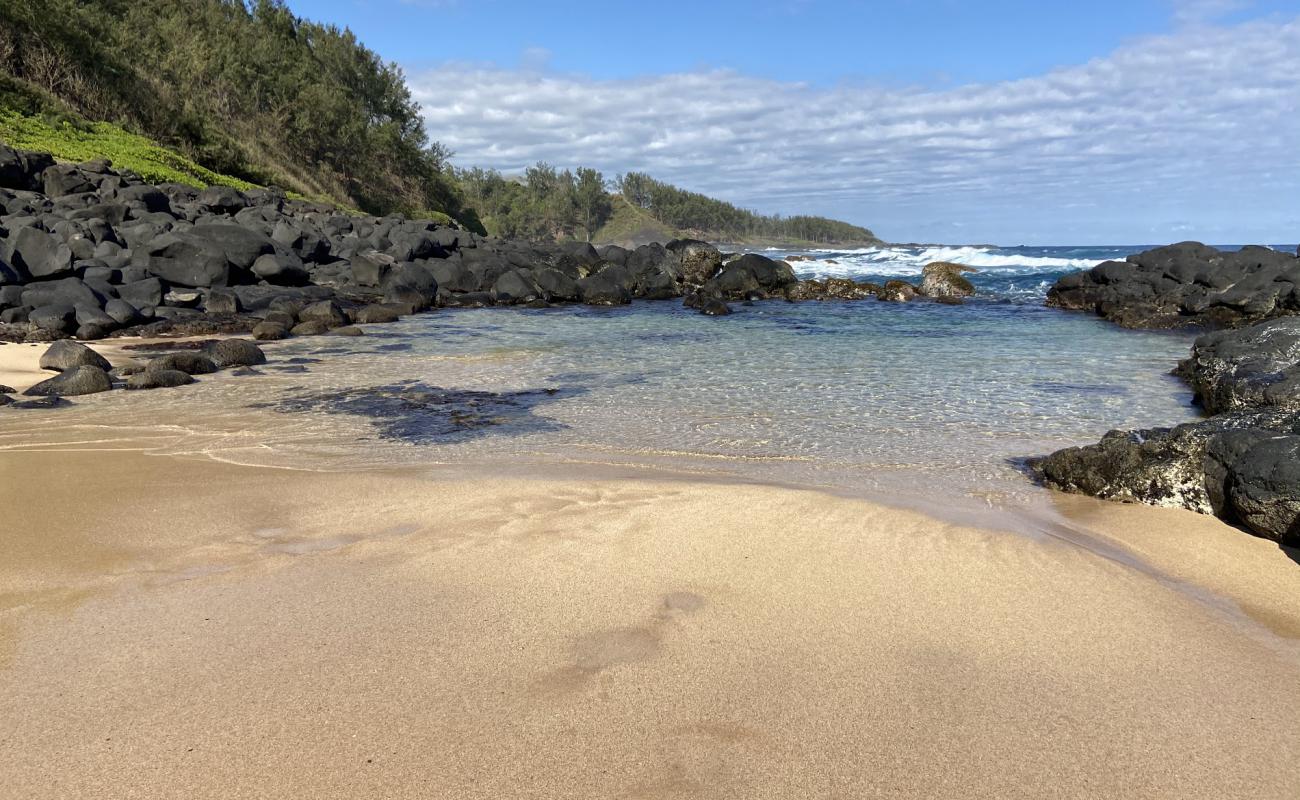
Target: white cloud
x: 1201, y: 125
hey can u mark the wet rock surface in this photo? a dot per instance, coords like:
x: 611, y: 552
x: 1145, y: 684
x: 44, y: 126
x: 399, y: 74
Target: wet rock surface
x: 1243, y: 462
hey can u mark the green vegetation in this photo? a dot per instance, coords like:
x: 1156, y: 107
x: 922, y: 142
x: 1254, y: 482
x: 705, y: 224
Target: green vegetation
x: 706, y: 217
x: 69, y: 141
x: 549, y: 204
x: 245, y: 90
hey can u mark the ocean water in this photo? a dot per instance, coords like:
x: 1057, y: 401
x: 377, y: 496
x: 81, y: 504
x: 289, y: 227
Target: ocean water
x: 916, y: 402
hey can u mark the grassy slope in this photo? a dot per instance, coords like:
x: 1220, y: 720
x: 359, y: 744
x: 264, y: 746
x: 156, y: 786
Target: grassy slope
x: 68, y: 141
x: 631, y: 224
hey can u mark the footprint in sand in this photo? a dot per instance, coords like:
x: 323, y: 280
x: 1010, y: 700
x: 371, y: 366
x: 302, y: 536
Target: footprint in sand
x: 596, y: 652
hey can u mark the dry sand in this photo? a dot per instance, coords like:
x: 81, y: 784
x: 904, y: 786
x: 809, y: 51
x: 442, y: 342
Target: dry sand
x: 181, y: 628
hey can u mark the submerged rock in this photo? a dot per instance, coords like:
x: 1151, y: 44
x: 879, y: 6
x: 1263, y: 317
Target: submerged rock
x: 420, y: 413
x: 234, y: 353
x: 159, y: 379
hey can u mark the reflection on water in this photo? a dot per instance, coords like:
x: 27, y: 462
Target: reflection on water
x: 877, y: 397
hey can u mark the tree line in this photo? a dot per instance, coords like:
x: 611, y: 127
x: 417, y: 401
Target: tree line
x: 722, y: 220
x: 248, y: 89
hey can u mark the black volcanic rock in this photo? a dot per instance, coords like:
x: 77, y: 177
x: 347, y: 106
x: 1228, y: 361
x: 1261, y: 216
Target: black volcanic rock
x: 1186, y: 284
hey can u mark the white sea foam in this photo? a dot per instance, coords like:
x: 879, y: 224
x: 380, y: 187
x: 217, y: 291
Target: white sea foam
x: 905, y: 261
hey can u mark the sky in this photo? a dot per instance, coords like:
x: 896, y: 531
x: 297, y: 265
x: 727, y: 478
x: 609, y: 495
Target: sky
x: 999, y: 121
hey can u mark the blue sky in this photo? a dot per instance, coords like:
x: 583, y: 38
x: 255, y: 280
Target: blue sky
x: 1004, y: 120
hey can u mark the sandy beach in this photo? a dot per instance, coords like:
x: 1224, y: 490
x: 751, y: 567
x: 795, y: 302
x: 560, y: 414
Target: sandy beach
x: 182, y: 628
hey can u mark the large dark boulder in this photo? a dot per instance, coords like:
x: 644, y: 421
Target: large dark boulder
x: 67, y: 354
x: 326, y: 312
x: 452, y: 276
x: 21, y: 169
x: 1240, y: 466
x: 66, y: 291
x: 1253, y: 367
x: 234, y: 353
x: 378, y: 312
x: 1186, y: 284
x: 143, y: 293
x: 516, y: 287
x: 204, y: 256
x: 609, y: 287
x: 159, y: 379
x: 410, y: 284
x: 555, y: 285
x: 222, y: 200
x: 76, y: 381
x: 186, y: 361
x: 43, y: 255
x: 60, y: 318
x: 65, y: 179
x: 750, y: 273
x: 281, y: 269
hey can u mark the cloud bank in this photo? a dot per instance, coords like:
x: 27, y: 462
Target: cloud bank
x: 1192, y: 133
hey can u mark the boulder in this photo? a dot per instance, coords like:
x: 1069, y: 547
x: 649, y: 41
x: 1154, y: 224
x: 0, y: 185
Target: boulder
x: 1253, y: 367
x: 1186, y: 284
x: 143, y: 293
x: 555, y: 285
x: 234, y: 353
x: 326, y: 312
x: 222, y: 199
x: 609, y: 287
x: 1240, y: 466
x: 158, y: 379
x: 21, y: 169
x: 67, y: 354
x: 896, y: 292
x: 378, y: 312
x: 945, y: 279
x: 80, y: 380
x: 699, y: 261
x: 42, y: 255
x: 515, y: 287
x: 186, y: 361
x: 281, y: 269
x: 270, y: 331
x: 58, y: 318
x: 312, y: 327
x: 410, y: 284
x: 221, y: 301
x: 714, y: 307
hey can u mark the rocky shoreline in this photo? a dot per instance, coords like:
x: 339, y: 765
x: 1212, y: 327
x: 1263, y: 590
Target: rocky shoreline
x: 90, y: 252
x: 1241, y: 463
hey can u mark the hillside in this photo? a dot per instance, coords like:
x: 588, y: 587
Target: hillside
x: 247, y: 91
x: 243, y: 92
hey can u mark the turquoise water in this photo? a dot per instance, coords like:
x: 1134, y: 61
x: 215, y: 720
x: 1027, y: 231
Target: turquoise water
x: 912, y: 400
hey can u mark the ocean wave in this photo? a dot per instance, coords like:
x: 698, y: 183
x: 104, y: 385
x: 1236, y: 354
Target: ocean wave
x: 910, y: 261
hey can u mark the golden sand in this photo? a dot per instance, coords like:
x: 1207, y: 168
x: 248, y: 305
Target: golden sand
x: 181, y: 628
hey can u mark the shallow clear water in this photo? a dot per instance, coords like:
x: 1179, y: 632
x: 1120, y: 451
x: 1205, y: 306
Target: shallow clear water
x: 902, y: 400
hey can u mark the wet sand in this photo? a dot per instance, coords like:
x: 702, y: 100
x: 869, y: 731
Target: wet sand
x: 181, y: 628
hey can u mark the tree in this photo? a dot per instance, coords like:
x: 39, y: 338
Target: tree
x: 592, y: 200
